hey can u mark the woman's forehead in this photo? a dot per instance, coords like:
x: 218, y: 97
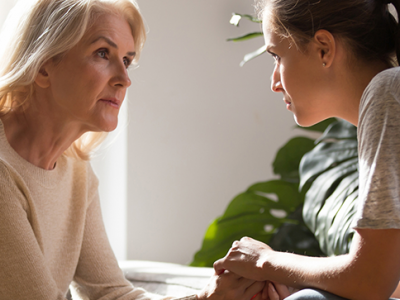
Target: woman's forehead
x: 110, y: 26
x: 267, y: 22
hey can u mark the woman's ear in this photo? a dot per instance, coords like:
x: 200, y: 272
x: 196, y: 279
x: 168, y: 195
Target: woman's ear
x: 42, y: 78
x: 326, y: 46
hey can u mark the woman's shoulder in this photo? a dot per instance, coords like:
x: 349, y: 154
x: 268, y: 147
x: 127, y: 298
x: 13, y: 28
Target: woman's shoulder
x: 12, y: 185
x: 380, y: 102
x: 384, y: 88
x: 388, y: 79
x: 8, y: 173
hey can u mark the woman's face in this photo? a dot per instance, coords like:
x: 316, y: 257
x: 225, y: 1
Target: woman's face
x: 89, y: 84
x: 298, y: 76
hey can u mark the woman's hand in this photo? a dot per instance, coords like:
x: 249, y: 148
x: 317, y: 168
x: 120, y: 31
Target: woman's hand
x: 275, y: 291
x: 229, y: 286
x: 246, y: 258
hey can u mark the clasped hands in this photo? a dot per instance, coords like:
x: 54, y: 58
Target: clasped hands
x: 239, y: 275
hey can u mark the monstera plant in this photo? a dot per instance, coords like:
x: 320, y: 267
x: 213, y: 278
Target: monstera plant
x: 309, y: 209
x: 329, y: 173
x: 268, y: 211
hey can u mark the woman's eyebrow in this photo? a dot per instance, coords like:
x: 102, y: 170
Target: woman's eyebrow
x: 111, y: 43
x: 269, y: 47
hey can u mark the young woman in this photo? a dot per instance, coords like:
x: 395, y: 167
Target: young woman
x: 63, y: 77
x: 337, y: 59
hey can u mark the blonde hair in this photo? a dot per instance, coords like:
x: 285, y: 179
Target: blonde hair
x: 39, y: 30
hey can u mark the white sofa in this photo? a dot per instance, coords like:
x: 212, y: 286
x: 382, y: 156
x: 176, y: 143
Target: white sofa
x: 166, y: 278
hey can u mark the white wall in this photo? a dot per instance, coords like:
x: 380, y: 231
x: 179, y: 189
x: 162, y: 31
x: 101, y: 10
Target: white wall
x: 201, y: 128
x: 110, y: 166
x: 5, y: 6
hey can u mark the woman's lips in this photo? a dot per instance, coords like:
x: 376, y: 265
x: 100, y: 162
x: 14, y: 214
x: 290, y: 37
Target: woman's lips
x: 288, y: 104
x: 113, y: 102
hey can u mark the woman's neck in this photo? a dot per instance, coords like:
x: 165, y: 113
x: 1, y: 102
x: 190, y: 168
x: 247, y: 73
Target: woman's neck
x: 354, y: 83
x: 38, y: 138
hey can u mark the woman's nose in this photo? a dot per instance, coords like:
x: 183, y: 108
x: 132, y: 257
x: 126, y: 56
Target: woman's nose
x: 121, y: 78
x: 276, y: 85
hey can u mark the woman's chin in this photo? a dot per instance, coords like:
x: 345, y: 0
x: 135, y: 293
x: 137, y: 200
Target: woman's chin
x: 111, y: 127
x: 107, y: 126
x: 306, y: 122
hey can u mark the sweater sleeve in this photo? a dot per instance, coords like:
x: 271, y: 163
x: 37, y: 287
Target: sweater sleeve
x: 24, y: 273
x: 98, y: 275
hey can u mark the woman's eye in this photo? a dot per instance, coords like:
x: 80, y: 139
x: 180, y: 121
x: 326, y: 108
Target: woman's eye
x: 276, y: 57
x: 127, y: 62
x: 103, y: 53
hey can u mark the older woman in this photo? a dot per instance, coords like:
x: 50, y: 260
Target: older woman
x: 63, y: 78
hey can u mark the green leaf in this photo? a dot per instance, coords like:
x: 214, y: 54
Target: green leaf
x: 253, y: 55
x: 236, y: 18
x: 245, y: 37
x: 330, y: 240
x: 322, y: 188
x: 329, y: 173
x: 341, y: 233
x: 326, y: 156
x: 286, y: 193
x: 253, y: 213
x: 296, y: 238
x: 339, y: 130
x: 288, y: 158
x: 220, y: 236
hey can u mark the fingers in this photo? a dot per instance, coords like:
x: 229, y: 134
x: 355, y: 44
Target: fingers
x: 218, y: 266
x: 282, y: 290
x: 233, y: 261
x: 219, y: 272
x: 228, y: 286
x: 245, y: 238
x: 234, y: 280
x: 258, y: 297
x: 226, y: 275
x: 264, y: 294
x: 272, y: 292
x: 254, y: 288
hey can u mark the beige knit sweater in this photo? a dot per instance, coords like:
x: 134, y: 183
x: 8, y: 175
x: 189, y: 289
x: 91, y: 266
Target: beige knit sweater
x: 52, y: 233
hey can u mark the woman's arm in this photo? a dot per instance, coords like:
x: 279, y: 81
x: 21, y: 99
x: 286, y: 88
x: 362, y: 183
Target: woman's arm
x: 98, y: 274
x: 370, y: 271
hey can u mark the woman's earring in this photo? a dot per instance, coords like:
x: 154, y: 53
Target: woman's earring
x: 324, y: 64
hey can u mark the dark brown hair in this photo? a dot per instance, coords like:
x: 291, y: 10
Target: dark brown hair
x: 368, y: 28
